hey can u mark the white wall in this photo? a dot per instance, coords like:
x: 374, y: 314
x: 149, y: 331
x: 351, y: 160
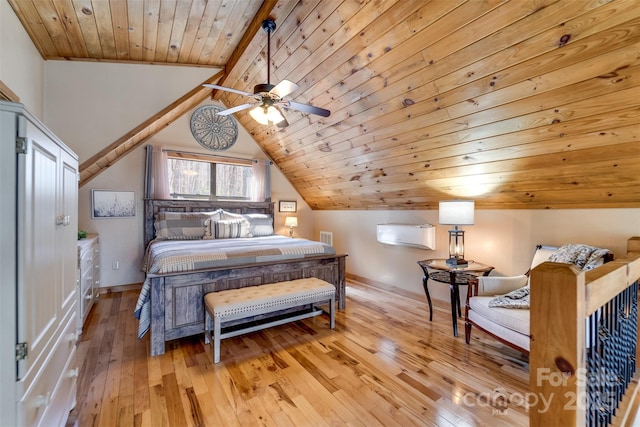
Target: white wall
x: 21, y: 66
x: 504, y: 239
x: 90, y: 105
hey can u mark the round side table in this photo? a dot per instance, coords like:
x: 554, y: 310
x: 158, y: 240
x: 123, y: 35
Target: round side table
x: 441, y: 272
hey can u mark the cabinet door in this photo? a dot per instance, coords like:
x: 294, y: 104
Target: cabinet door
x: 68, y: 233
x: 39, y: 272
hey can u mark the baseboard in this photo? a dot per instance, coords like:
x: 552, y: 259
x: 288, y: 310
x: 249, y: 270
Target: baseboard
x: 120, y: 288
x: 384, y: 286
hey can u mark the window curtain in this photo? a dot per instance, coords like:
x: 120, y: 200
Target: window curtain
x: 157, y: 175
x: 261, y: 181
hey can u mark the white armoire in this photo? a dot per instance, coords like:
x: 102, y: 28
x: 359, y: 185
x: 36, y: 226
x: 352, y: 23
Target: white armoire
x: 38, y: 265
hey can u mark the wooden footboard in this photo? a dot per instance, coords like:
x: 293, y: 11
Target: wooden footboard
x: 177, y: 307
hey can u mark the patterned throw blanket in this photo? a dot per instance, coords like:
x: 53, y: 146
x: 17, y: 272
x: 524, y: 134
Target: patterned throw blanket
x: 182, y: 256
x: 584, y: 256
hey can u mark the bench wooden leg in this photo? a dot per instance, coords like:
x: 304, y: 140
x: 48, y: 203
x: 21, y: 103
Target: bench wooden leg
x: 216, y: 339
x: 332, y: 313
x: 207, y: 326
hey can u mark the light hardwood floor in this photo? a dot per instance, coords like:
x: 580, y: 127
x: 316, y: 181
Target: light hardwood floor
x: 384, y: 364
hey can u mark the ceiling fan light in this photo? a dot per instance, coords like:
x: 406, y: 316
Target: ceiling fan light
x: 264, y: 115
x: 274, y: 115
x: 259, y: 115
x: 268, y: 95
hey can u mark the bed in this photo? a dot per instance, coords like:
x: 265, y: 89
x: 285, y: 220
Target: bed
x: 171, y: 304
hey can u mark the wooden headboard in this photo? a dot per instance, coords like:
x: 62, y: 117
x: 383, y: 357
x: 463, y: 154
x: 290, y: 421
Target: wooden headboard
x: 154, y: 206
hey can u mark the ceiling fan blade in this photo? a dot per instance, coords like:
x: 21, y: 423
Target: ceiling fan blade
x: 228, y: 89
x: 232, y: 110
x: 283, y: 89
x: 306, y: 108
x: 284, y: 123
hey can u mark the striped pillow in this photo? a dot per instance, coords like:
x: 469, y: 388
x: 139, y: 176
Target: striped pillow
x: 228, y: 229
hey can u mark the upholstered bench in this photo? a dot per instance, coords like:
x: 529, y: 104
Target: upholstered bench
x: 247, y: 303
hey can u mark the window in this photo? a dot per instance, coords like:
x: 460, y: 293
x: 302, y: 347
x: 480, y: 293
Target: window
x: 208, y: 177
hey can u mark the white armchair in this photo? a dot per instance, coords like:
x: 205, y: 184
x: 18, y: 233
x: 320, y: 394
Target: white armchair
x: 508, y: 325
x: 511, y: 325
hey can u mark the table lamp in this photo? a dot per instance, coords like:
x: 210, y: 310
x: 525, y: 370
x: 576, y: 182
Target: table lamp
x: 291, y: 222
x: 456, y: 212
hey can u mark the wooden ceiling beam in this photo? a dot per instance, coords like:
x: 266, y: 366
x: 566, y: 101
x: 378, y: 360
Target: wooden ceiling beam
x: 7, y: 94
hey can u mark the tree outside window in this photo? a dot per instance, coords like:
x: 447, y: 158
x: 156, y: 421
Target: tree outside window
x: 208, y: 180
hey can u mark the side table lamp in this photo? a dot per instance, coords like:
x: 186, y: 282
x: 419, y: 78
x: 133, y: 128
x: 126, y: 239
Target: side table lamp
x: 456, y: 212
x: 291, y: 222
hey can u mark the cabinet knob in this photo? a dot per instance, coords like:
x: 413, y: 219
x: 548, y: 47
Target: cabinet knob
x: 88, y: 297
x: 73, y: 373
x: 63, y: 220
x: 72, y: 337
x: 43, y: 400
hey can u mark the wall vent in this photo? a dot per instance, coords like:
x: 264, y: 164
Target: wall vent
x: 326, y: 237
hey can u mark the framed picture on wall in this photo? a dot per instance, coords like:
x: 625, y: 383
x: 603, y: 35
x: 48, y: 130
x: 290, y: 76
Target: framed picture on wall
x: 287, y: 206
x: 113, y: 204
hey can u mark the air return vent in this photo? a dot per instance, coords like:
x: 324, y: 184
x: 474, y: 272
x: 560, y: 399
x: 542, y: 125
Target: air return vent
x: 326, y: 237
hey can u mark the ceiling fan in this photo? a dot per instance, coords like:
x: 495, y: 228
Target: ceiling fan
x: 269, y: 101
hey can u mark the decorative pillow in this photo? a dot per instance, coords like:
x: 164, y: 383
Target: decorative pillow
x: 518, y: 298
x: 230, y: 215
x: 259, y: 224
x: 228, y: 228
x: 584, y: 256
x: 182, y: 225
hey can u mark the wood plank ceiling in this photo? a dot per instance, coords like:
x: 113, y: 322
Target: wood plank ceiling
x: 516, y: 104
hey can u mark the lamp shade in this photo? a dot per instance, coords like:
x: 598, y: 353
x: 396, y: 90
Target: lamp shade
x: 291, y: 221
x: 456, y: 212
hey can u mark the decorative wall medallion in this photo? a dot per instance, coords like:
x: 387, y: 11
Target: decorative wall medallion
x: 212, y: 131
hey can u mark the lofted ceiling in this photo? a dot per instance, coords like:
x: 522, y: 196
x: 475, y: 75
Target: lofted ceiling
x: 516, y: 104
